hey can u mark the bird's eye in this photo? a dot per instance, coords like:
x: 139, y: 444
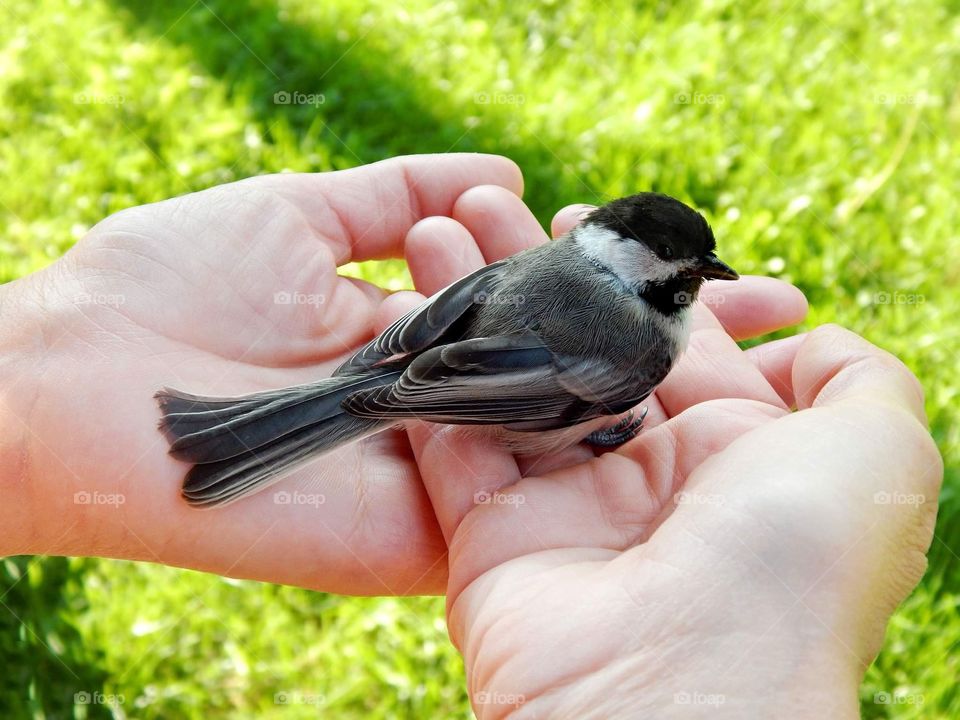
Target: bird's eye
x: 665, y: 251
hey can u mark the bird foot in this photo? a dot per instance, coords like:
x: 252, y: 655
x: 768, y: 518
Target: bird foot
x: 618, y: 434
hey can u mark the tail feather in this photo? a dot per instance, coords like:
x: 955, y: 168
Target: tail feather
x: 218, y: 483
x: 240, y: 445
x: 201, y: 430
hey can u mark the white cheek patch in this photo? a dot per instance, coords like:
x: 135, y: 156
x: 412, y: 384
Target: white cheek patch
x: 633, y: 262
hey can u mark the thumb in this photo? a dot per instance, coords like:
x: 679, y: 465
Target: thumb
x: 830, y: 509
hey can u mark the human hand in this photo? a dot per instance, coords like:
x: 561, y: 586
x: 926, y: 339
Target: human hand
x: 226, y: 291
x: 732, y: 558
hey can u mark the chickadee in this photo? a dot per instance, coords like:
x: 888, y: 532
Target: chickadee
x: 544, y: 347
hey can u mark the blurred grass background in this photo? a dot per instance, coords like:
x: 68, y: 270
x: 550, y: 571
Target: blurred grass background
x: 819, y: 136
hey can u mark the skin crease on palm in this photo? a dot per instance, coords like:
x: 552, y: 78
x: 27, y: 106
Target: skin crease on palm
x: 731, y: 556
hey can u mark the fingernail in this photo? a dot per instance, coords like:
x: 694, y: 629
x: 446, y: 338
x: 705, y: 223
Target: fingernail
x: 584, y: 209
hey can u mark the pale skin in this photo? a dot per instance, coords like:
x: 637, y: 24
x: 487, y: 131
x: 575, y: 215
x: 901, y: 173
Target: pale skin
x: 732, y: 556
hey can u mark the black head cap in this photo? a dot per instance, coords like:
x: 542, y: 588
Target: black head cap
x: 667, y: 226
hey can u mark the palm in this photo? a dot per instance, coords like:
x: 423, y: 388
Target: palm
x: 254, y: 286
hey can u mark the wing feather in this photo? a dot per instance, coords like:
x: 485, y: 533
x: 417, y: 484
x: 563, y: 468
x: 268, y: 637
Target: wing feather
x: 426, y: 324
x: 497, y: 380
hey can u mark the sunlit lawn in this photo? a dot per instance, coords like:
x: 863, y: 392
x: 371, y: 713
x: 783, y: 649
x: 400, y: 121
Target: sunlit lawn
x: 820, y: 138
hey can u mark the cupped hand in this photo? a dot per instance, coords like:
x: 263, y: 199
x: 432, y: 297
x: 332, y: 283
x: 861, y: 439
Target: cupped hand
x: 734, y: 557
x: 222, y: 292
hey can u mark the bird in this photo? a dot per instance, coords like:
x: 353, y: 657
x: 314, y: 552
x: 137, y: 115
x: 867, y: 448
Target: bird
x: 541, y: 350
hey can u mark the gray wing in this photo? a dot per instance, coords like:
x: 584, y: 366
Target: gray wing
x: 426, y: 323
x: 514, y: 380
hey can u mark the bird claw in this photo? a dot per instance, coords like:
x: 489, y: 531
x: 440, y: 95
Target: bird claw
x: 615, y: 435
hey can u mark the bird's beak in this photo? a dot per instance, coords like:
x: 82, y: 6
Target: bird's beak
x: 713, y: 268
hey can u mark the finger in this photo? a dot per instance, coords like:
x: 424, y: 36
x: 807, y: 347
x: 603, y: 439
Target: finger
x: 713, y: 367
x: 499, y: 220
x: 373, y: 293
x: 394, y: 307
x: 460, y: 469
x: 835, y: 366
x: 775, y: 360
x: 439, y: 251
x: 567, y: 218
x: 561, y: 457
x: 364, y: 213
x: 754, y: 305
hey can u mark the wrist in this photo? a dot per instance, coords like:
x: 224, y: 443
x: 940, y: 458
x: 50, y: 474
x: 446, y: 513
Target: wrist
x: 21, y: 366
x: 723, y: 677
x: 777, y: 676
x: 58, y: 494
x: 779, y: 680
x: 775, y: 656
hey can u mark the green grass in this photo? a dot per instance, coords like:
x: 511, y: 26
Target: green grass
x: 818, y: 136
